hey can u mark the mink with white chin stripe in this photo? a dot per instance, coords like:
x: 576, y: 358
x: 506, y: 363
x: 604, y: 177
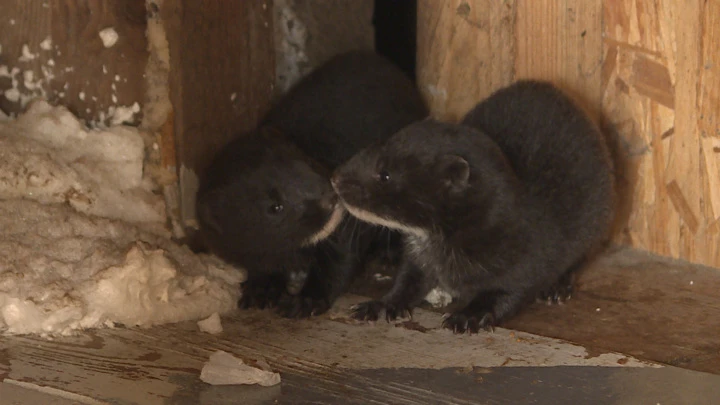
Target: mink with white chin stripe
x: 497, y: 210
x: 266, y: 204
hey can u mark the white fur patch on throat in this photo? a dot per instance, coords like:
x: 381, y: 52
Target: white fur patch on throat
x: 368, y: 216
x: 335, y: 219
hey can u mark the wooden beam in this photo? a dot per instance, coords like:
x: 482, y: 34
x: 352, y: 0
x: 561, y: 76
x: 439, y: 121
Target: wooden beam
x: 561, y: 41
x: 221, y: 78
x: 468, y: 49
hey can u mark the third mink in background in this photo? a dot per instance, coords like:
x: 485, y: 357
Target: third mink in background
x: 266, y: 203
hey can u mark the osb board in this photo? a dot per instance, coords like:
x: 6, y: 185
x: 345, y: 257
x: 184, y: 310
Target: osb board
x: 77, y: 70
x: 221, y: 78
x: 661, y: 93
x: 646, y: 69
x: 469, y: 48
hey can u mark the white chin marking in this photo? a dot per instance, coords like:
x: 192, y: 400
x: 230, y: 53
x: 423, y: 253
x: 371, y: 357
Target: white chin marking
x: 335, y: 219
x: 368, y: 216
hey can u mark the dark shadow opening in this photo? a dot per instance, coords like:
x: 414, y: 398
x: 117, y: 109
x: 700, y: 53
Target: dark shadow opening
x: 395, y: 24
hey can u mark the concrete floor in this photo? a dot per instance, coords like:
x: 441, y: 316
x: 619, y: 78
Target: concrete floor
x: 650, y: 318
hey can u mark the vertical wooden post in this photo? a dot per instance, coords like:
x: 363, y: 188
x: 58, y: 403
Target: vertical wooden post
x: 561, y: 41
x: 222, y: 71
x: 465, y: 51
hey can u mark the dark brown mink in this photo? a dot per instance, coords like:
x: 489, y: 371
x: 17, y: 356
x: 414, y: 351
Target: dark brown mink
x: 496, y: 210
x: 266, y: 203
x: 348, y: 103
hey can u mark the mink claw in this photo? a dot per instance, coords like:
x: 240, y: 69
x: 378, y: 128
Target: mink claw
x: 367, y: 311
x: 473, y: 325
x: 260, y: 293
x: 456, y: 323
x: 558, y: 293
x: 393, y: 312
x: 487, y: 322
x: 460, y: 323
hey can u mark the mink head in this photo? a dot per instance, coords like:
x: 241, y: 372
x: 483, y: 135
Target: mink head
x: 261, y: 198
x: 427, y: 177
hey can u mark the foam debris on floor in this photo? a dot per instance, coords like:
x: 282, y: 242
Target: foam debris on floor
x: 225, y: 369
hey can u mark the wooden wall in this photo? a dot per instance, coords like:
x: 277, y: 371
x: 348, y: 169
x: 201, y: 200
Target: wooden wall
x: 205, y: 74
x: 222, y: 73
x: 649, y: 70
x: 66, y: 57
x: 661, y: 90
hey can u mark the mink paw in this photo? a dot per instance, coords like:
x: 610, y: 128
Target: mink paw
x: 558, y: 293
x: 461, y: 323
x: 393, y: 312
x: 302, y: 306
x: 367, y: 311
x: 261, y: 294
x: 370, y: 311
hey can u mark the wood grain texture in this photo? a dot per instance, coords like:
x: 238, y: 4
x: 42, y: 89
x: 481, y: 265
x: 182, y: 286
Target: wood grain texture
x: 76, y: 70
x: 23, y: 23
x: 465, y: 51
x: 661, y: 94
x: 623, y: 305
x: 709, y: 130
x: 622, y: 302
x: 648, y: 70
x: 221, y: 77
x: 341, y: 358
x: 468, y: 49
x: 639, y: 304
x: 561, y: 41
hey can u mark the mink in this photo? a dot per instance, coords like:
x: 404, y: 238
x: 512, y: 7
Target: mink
x: 266, y: 204
x: 496, y: 210
x: 355, y: 99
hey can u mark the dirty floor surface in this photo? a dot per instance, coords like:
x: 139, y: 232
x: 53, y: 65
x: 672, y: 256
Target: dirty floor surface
x: 644, y: 330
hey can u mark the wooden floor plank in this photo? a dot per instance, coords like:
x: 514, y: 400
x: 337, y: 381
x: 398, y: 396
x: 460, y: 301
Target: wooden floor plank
x: 640, y: 304
x: 632, y: 302
x: 14, y: 394
x: 156, y: 365
x: 648, y: 308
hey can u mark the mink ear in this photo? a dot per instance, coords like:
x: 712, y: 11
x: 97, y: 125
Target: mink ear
x: 455, y: 171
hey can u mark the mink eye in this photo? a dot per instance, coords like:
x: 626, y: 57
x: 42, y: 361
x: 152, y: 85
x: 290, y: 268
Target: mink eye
x: 275, y: 208
x: 384, y: 176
